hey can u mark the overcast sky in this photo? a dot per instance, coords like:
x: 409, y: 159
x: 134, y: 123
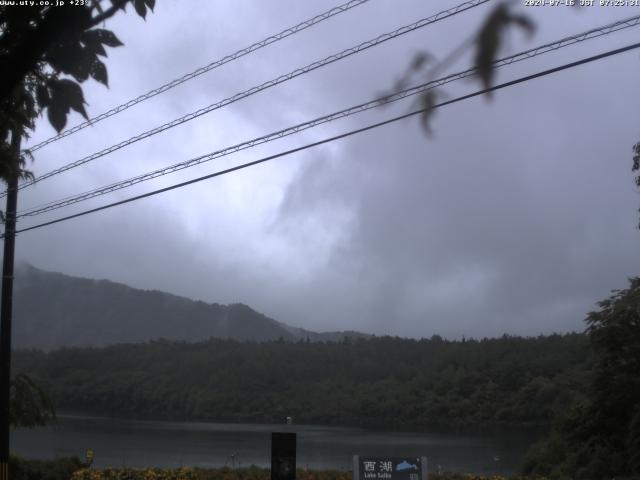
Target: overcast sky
x: 516, y: 216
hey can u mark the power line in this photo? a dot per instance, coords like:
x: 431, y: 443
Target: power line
x: 527, y: 54
x: 271, y: 83
x: 338, y: 137
x: 207, y: 68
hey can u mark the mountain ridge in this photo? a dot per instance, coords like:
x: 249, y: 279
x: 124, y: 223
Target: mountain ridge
x: 53, y: 310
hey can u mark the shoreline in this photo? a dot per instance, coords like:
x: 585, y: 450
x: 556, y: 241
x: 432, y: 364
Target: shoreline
x: 434, y: 428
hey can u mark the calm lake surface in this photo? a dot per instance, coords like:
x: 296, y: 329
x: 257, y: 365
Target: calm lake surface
x: 135, y: 443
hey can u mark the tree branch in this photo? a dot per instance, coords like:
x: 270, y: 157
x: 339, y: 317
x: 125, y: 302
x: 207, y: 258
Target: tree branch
x: 58, y: 23
x: 108, y: 13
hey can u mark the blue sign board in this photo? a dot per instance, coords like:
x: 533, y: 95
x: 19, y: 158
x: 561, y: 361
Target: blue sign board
x: 389, y: 468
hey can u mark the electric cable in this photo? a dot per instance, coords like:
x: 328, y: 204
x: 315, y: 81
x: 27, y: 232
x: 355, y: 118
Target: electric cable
x: 271, y: 83
x: 396, y: 96
x: 207, y: 68
x: 337, y: 137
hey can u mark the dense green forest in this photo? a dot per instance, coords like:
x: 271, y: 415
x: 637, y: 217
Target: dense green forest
x: 382, y: 381
x: 599, y: 436
x: 587, y: 384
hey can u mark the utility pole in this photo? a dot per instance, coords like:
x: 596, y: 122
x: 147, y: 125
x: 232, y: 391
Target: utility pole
x: 7, y: 304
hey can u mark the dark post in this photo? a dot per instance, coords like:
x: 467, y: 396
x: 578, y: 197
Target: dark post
x: 283, y: 456
x: 6, y: 306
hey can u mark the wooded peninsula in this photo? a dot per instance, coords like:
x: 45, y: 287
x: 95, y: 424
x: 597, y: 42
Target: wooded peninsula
x: 379, y: 382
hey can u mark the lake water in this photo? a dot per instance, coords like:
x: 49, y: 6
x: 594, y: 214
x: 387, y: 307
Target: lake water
x: 134, y: 443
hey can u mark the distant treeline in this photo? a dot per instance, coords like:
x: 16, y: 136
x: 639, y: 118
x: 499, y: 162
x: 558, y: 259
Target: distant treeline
x: 382, y: 381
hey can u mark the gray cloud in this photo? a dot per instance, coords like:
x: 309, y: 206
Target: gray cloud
x: 517, y: 216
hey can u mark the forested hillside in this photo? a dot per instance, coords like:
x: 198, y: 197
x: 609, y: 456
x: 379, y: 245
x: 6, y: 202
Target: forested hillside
x: 53, y: 310
x: 385, y: 382
x: 599, y: 437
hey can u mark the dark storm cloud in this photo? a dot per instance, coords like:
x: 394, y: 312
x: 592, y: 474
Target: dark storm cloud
x: 515, y: 217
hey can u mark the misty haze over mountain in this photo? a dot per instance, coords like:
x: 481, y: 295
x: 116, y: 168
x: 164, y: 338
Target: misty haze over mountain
x: 52, y: 310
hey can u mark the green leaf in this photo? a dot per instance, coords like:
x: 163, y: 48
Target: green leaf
x: 490, y: 36
x: 141, y: 8
x: 106, y: 37
x: 91, y: 41
x: 71, y: 93
x: 428, y: 100
x: 57, y: 116
x: 99, y: 72
x: 63, y: 56
x: 81, y: 65
x: 26, y: 155
x: 65, y: 95
x: 71, y: 58
x: 23, y: 173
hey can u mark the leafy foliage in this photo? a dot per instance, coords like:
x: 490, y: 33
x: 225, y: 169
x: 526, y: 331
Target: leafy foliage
x: 40, y: 48
x: 380, y: 382
x: 59, y: 97
x: 46, y: 54
x: 490, y: 36
x: 30, y: 406
x: 58, y: 469
x: 135, y: 474
x: 600, y: 437
x: 251, y: 473
x: 73, y: 469
x: 486, y: 42
x: 141, y: 6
